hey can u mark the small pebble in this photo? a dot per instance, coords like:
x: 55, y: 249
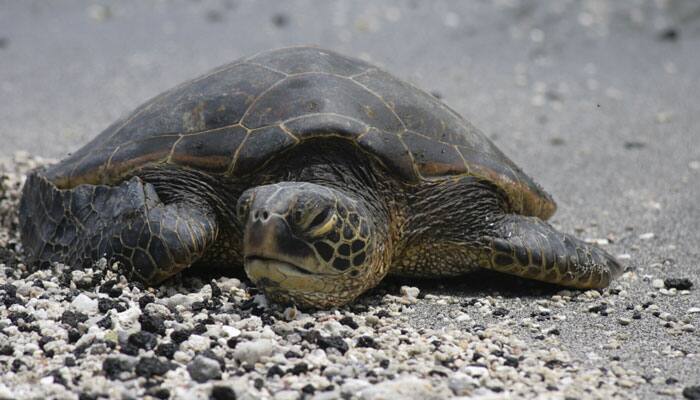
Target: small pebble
x: 166, y: 350
x: 335, y: 342
x: 410, y: 292
x: 152, y: 323
x: 179, y: 336
x: 678, y: 283
x: 367, y: 341
x: 203, y: 369
x: 114, y: 367
x: 692, y: 392
x: 148, y: 367
x: 500, y: 312
x: 290, y: 313
x: 646, y: 236
x: 222, y: 393
x: 143, y: 340
x: 83, y: 304
x: 350, y: 322
x: 253, y: 351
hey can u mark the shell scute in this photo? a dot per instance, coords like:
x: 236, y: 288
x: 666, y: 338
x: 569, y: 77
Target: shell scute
x: 391, y: 151
x: 211, y: 151
x: 258, y: 147
x: 420, y: 111
x: 319, y: 125
x: 434, y: 159
x: 136, y: 153
x: 217, y: 100
x: 319, y: 94
x: 86, y: 170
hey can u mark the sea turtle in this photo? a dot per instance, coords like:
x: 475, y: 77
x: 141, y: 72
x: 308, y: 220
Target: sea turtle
x: 318, y: 173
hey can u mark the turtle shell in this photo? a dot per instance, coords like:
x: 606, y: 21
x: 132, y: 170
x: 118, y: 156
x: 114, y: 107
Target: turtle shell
x: 234, y: 119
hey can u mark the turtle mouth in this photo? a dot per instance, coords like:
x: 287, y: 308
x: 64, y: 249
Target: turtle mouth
x: 283, y: 266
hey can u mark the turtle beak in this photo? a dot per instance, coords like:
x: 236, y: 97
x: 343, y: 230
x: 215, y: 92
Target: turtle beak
x: 268, y: 239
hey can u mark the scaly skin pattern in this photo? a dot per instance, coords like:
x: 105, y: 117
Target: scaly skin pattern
x: 533, y: 249
x: 126, y: 223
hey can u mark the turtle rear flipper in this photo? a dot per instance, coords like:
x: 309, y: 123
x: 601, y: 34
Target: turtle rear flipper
x: 533, y: 249
x: 127, y: 223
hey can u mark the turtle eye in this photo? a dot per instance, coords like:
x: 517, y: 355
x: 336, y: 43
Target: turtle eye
x: 320, y: 218
x: 322, y: 222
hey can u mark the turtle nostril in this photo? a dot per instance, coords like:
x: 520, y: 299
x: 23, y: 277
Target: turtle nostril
x: 261, y: 215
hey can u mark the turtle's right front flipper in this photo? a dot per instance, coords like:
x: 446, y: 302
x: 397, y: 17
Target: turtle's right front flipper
x: 531, y: 248
x: 127, y: 223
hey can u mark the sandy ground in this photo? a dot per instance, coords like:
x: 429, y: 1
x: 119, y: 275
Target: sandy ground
x: 596, y: 100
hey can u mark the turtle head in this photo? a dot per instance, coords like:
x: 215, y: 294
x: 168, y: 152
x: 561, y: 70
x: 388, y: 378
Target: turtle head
x: 308, y: 244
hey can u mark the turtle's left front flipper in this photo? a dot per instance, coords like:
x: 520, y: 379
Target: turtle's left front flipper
x: 127, y: 223
x: 531, y: 248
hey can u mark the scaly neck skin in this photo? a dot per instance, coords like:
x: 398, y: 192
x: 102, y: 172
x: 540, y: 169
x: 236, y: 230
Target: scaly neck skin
x: 182, y: 184
x: 459, y: 212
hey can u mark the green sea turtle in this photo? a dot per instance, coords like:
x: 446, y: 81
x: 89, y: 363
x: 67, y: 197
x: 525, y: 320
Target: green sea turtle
x: 318, y: 173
